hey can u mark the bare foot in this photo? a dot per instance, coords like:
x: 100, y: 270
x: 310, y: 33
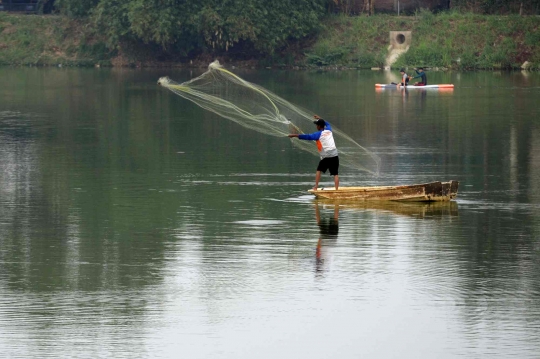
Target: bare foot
x: 315, y: 188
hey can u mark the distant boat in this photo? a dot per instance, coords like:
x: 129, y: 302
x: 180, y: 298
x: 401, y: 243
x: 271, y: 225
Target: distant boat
x: 427, y: 192
x: 409, y: 87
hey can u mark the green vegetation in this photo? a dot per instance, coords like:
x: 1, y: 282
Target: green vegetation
x: 468, y: 41
x: 448, y: 40
x: 498, y: 7
x: 351, y: 41
x: 253, y: 32
x: 204, y: 26
x: 48, y: 40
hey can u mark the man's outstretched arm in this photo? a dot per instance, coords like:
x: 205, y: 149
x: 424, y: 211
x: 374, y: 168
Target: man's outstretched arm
x: 311, y: 137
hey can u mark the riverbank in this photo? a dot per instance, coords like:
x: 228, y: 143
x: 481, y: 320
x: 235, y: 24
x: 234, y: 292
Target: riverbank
x: 447, y: 40
x: 33, y: 40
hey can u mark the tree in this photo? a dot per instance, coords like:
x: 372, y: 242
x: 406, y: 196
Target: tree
x: 210, y: 25
x: 75, y: 8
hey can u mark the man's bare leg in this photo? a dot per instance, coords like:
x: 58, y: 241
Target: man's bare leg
x: 317, y: 179
x: 336, y: 181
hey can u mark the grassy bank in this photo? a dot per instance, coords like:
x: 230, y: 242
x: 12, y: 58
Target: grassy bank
x: 48, y: 40
x: 446, y: 40
x: 449, y: 40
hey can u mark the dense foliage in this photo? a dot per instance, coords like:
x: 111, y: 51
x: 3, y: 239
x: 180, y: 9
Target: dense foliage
x: 75, y: 8
x: 211, y: 25
x: 497, y: 7
x: 191, y: 27
x: 500, y: 7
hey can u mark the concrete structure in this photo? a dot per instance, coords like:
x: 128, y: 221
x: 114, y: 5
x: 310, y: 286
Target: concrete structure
x: 400, y: 41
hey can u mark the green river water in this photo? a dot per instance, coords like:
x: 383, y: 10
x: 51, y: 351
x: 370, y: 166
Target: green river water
x: 134, y: 224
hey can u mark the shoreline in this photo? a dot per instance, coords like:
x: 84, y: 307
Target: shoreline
x: 230, y: 65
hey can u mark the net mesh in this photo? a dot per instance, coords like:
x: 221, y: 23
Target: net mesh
x: 252, y: 106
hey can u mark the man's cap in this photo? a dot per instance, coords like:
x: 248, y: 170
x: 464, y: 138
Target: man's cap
x: 320, y: 122
x: 402, y: 70
x: 421, y: 68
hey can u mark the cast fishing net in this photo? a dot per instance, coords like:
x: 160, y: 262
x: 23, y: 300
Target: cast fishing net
x: 224, y: 93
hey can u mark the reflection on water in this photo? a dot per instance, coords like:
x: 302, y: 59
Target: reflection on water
x: 328, y: 223
x: 133, y: 224
x: 414, y: 209
x: 328, y: 233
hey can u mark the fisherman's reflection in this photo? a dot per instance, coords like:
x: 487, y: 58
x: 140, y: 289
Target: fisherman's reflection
x: 328, y: 233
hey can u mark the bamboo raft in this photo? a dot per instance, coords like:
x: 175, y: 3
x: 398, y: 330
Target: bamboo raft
x: 427, y: 192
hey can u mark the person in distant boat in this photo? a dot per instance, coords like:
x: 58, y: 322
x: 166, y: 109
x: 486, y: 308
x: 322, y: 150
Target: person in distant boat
x: 404, y: 78
x: 327, y: 150
x: 422, y: 75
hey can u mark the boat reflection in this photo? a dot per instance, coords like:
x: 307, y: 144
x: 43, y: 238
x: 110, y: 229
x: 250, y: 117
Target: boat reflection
x: 412, y: 209
x: 327, y: 216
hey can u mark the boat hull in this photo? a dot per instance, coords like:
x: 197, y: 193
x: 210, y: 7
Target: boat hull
x: 427, y: 192
x: 410, y: 87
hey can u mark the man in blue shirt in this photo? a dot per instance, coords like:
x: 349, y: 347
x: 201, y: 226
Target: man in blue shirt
x: 327, y: 150
x: 422, y: 75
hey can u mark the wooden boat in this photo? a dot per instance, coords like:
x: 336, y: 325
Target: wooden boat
x: 427, y: 192
x: 410, y: 87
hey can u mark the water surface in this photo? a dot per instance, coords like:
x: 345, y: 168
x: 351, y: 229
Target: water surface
x: 134, y: 224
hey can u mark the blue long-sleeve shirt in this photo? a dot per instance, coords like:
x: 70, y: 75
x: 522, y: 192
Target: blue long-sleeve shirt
x: 325, y: 141
x: 422, y: 75
x: 315, y: 135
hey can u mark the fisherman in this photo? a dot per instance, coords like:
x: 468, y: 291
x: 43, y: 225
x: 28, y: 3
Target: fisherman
x: 422, y: 75
x: 327, y: 150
